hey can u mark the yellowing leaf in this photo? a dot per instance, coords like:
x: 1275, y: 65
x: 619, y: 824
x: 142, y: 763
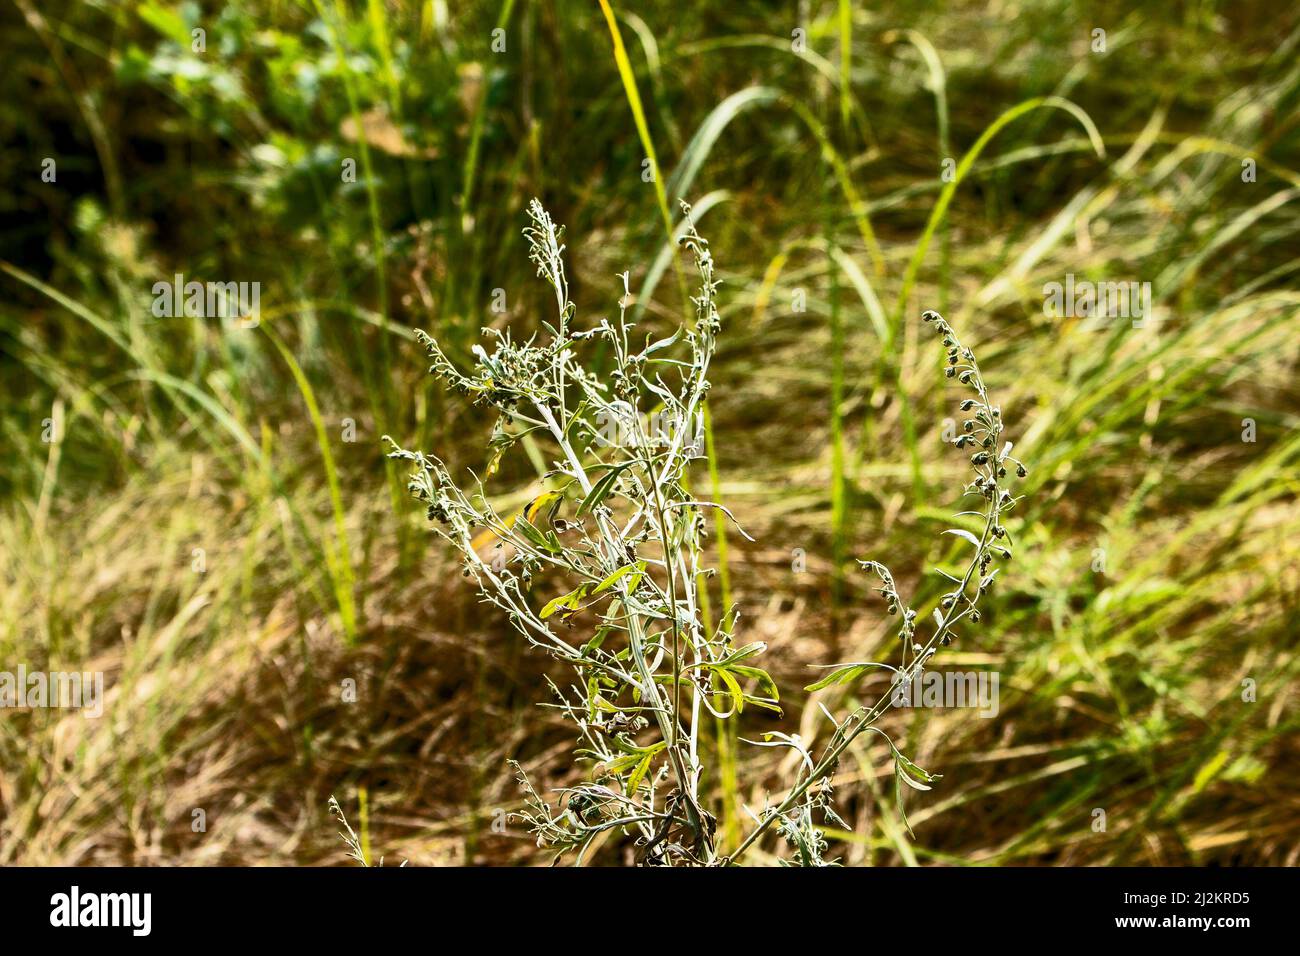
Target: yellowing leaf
x: 541, y: 501
x: 567, y: 602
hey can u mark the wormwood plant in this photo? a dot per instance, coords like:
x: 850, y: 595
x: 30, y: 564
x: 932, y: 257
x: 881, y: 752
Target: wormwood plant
x: 617, y: 523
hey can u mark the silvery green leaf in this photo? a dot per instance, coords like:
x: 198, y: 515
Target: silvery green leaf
x: 965, y: 535
x: 662, y: 343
